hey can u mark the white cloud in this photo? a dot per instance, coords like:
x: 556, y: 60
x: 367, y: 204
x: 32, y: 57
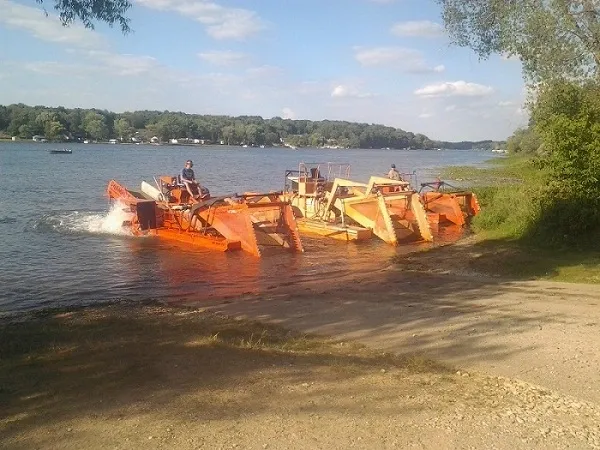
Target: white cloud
x: 287, y: 113
x: 423, y: 28
x: 454, y: 89
x: 221, y: 22
x: 53, y: 68
x: 347, y: 91
x: 125, y: 64
x: 47, y: 28
x: 425, y: 115
x: 450, y: 108
x: 264, y: 71
x: 503, y: 104
x: 81, y: 41
x: 223, y: 58
x: 95, y: 62
x: 404, y: 59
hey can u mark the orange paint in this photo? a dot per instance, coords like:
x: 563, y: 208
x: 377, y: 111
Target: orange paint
x: 222, y: 223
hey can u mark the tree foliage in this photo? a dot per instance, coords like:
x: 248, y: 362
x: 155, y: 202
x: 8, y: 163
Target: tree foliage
x: 553, y: 38
x: 90, y: 11
x: 558, y: 202
x: 61, y: 123
x: 567, y: 116
x: 524, y: 141
x: 94, y: 125
x: 558, y: 42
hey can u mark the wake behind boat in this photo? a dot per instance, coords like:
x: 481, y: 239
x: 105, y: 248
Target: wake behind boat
x: 63, y: 151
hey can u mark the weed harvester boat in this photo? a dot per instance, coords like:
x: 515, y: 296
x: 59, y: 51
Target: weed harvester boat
x: 327, y: 203
x: 446, y: 204
x: 250, y: 222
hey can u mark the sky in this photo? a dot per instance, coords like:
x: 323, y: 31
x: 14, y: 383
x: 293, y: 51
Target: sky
x: 373, y: 61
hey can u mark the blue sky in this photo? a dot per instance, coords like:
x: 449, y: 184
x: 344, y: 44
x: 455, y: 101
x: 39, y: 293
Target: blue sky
x: 374, y: 61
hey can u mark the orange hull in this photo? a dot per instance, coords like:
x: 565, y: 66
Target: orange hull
x: 453, y: 207
x: 199, y: 240
x: 223, y: 224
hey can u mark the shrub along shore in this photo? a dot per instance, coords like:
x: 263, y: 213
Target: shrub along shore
x: 524, y: 230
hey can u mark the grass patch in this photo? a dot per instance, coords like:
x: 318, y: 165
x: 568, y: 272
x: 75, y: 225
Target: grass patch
x: 504, y: 259
x: 499, y: 172
x: 518, y: 227
x: 514, y: 260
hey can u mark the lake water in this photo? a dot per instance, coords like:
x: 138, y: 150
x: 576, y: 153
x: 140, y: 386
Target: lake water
x: 59, y: 246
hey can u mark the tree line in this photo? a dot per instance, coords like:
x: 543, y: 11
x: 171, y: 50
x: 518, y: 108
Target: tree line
x: 99, y: 125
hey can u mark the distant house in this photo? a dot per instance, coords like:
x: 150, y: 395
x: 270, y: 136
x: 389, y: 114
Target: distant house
x: 112, y: 141
x: 38, y: 138
x: 173, y: 141
x: 154, y: 140
x: 14, y: 138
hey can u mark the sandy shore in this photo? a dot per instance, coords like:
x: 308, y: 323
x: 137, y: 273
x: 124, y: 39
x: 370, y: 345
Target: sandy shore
x: 451, y: 360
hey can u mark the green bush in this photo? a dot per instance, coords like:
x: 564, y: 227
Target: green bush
x: 567, y: 117
x: 507, y: 210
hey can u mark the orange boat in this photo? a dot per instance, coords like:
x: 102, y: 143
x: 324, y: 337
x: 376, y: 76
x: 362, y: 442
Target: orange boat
x: 446, y: 204
x: 328, y: 204
x: 250, y: 222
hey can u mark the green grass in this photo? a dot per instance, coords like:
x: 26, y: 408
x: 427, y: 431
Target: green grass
x: 500, y: 171
x: 519, y: 261
x: 513, y: 226
x: 505, y: 190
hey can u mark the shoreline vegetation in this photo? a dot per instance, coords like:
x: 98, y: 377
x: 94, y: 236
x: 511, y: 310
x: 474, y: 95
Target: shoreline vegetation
x: 506, y: 240
x: 40, y: 123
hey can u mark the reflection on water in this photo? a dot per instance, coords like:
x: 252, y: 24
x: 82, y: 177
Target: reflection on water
x: 181, y: 274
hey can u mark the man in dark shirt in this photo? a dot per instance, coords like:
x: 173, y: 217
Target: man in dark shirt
x: 188, y: 178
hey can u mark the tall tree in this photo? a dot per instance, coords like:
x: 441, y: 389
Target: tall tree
x: 123, y: 129
x: 553, y: 38
x: 50, y: 123
x: 94, y: 125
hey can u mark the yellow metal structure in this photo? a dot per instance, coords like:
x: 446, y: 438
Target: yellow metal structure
x: 307, y: 189
x: 388, y: 207
x: 334, y: 206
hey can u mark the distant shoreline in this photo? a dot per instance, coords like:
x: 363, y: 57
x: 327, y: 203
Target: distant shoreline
x: 167, y: 144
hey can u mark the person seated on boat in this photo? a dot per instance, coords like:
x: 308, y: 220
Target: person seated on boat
x: 393, y: 174
x: 188, y: 178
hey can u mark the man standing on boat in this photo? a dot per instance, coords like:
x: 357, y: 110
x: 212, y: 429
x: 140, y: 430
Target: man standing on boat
x: 188, y: 178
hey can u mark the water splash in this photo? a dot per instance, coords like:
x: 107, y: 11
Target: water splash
x: 88, y: 222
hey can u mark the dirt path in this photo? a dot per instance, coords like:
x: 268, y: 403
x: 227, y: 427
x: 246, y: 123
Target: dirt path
x: 542, y: 332
x: 131, y: 377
